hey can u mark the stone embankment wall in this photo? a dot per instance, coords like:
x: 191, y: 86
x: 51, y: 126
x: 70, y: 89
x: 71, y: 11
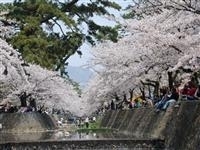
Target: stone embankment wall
x: 104, y: 144
x: 179, y: 127
x: 26, y: 122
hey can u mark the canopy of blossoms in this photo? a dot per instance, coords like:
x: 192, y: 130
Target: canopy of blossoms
x: 158, y: 43
x: 47, y: 87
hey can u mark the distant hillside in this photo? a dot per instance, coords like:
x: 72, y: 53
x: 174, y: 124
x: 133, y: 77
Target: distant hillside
x: 80, y: 75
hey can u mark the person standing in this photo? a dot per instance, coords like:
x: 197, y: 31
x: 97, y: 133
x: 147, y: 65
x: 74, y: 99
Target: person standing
x: 87, y: 122
x: 112, y: 105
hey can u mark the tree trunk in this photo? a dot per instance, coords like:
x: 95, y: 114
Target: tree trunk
x: 170, y: 80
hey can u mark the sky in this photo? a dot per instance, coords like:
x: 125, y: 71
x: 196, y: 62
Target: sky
x: 6, y: 1
x: 76, y: 60
x: 119, y: 1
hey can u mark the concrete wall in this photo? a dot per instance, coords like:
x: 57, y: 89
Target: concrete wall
x: 26, y: 122
x: 179, y: 127
x: 85, y: 145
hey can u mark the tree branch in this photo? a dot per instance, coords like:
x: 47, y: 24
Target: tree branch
x: 67, y: 7
x: 177, y: 49
x: 58, y: 26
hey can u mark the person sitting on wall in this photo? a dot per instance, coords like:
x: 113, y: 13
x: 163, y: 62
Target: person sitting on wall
x: 125, y: 100
x: 13, y: 109
x: 159, y: 98
x: 188, y: 92
x: 131, y: 104
x: 32, y: 104
x: 3, y: 105
x: 138, y: 101
x: 197, y: 93
x: 148, y: 102
x: 159, y: 105
x: 7, y: 106
x: 172, y: 99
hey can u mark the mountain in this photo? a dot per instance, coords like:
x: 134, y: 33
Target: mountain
x: 79, y: 74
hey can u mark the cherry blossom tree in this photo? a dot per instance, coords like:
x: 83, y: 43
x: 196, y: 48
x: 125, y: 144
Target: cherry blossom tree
x: 165, y: 39
x: 149, y: 7
x: 46, y: 87
x: 162, y: 42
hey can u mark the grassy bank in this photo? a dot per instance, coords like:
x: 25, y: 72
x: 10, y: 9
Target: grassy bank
x: 94, y: 127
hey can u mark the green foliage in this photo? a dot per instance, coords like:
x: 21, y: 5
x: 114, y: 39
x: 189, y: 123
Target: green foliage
x: 5, y: 7
x: 94, y: 127
x: 129, y: 15
x: 50, y: 31
x: 131, y: 10
x: 95, y: 130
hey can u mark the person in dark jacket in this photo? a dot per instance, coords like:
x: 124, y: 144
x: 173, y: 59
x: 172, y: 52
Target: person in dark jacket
x: 112, y: 105
x: 172, y: 99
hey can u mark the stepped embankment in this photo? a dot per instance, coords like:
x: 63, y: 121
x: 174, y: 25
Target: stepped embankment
x: 178, y: 126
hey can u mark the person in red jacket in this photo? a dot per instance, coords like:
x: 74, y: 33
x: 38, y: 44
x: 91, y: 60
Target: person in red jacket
x: 189, y: 91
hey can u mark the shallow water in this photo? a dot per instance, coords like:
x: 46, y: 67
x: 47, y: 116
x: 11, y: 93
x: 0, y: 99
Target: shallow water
x: 58, y: 136
x: 21, y: 137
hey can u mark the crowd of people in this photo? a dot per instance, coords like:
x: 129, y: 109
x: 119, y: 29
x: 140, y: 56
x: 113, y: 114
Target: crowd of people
x: 85, y: 121
x: 7, y: 106
x: 168, y: 97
